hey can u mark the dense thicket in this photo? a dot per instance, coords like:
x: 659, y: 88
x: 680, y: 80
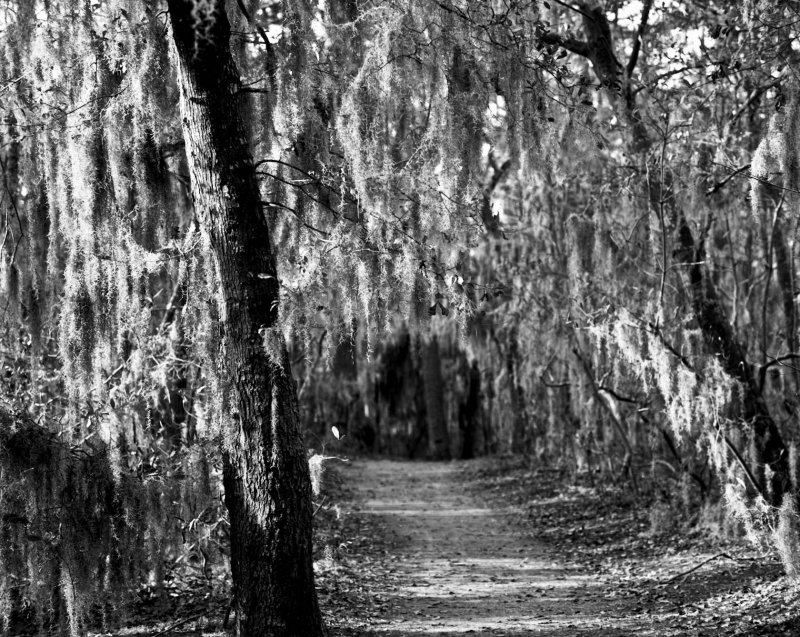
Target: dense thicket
x: 562, y: 229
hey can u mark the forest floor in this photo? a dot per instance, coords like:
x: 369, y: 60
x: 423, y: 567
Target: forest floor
x: 492, y: 547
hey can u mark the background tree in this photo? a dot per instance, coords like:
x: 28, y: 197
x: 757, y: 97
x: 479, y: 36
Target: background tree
x: 265, y: 471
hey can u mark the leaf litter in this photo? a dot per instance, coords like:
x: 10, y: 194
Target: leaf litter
x: 495, y: 547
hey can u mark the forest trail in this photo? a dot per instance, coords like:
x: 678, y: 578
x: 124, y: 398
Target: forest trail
x: 451, y: 565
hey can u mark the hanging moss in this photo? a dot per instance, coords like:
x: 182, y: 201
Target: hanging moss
x: 370, y: 175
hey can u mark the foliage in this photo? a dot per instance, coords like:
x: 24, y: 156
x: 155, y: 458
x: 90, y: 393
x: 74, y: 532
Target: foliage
x: 609, y: 237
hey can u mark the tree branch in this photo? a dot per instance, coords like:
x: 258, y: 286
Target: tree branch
x: 721, y: 184
x: 637, y: 43
x: 575, y: 9
x: 491, y: 222
x: 271, y: 66
x: 570, y: 44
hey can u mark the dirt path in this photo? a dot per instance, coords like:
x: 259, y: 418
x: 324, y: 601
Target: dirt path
x: 452, y: 566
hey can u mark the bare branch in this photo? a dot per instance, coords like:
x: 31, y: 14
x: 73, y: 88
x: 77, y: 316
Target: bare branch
x: 272, y: 68
x: 637, y: 43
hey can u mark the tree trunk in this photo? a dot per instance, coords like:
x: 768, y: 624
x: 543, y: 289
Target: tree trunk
x: 784, y: 263
x: 265, y: 473
x: 519, y: 427
x: 770, y: 450
x: 469, y: 412
x: 438, y: 440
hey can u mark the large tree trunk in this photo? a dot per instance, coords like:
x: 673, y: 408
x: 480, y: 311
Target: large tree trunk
x: 267, y: 487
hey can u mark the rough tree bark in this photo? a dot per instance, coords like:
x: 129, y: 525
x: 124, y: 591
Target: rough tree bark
x: 267, y: 486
